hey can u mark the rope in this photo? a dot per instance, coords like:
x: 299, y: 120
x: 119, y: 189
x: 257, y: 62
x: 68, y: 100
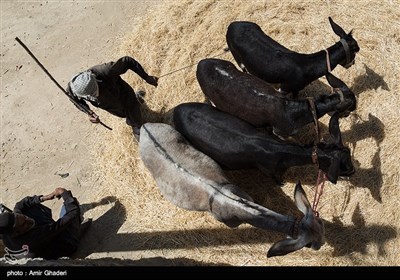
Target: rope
x: 191, y: 65
x: 321, y: 178
x: 328, y: 62
x: 347, y: 51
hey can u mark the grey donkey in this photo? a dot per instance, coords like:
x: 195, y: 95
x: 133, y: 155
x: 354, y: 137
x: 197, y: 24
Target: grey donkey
x: 191, y: 180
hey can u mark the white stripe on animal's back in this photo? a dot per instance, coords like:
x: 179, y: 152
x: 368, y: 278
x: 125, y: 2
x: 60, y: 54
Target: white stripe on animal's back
x: 223, y: 72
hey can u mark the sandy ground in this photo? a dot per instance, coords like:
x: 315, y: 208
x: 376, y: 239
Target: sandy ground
x: 45, y: 140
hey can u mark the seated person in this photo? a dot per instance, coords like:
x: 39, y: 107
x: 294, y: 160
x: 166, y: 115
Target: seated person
x: 30, y: 231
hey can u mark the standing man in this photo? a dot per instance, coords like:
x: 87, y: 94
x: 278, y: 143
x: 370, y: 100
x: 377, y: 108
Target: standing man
x: 103, y: 87
x: 30, y: 231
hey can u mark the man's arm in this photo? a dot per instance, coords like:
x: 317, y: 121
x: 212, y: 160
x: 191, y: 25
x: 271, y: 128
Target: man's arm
x: 46, y: 232
x: 77, y: 100
x: 71, y: 206
x: 93, y: 117
x: 30, y: 201
x: 26, y: 203
x: 122, y: 65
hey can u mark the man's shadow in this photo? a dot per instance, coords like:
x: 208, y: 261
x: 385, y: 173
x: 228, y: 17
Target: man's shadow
x: 102, y: 229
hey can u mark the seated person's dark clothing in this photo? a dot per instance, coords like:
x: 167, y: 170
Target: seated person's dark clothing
x: 48, y: 239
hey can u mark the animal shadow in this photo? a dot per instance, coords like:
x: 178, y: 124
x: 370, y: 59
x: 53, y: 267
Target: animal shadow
x: 342, y: 237
x: 370, y: 80
x: 338, y: 235
x: 103, y: 236
x: 370, y: 178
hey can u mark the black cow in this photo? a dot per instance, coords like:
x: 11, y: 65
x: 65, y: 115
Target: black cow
x: 235, y: 144
x: 260, y: 55
x: 257, y: 102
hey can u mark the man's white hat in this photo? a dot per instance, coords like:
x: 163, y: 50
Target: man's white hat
x: 84, y: 85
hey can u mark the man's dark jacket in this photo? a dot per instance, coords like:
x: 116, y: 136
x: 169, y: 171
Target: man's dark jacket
x: 48, y: 239
x: 115, y: 95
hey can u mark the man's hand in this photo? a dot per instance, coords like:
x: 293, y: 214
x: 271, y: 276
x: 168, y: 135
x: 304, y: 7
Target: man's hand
x: 152, y: 80
x: 56, y: 193
x: 93, y: 117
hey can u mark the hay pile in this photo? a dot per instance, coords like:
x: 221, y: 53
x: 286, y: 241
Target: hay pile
x: 361, y: 214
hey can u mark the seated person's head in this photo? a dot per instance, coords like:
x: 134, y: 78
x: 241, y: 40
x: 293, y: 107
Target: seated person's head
x: 15, y: 224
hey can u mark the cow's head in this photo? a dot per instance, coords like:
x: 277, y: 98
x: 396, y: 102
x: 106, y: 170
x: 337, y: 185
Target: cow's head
x: 348, y: 101
x: 334, y: 158
x: 311, y: 230
x: 349, y: 44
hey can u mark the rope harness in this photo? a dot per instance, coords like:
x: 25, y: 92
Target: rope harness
x: 321, y: 178
x: 328, y: 62
x: 347, y: 51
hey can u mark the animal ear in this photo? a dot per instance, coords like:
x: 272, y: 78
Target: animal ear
x: 337, y: 29
x: 334, y: 129
x: 301, y: 199
x: 333, y: 171
x: 302, y: 203
x: 285, y: 246
x: 335, y: 82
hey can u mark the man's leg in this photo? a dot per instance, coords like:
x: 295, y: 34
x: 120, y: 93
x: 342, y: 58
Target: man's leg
x: 134, y: 114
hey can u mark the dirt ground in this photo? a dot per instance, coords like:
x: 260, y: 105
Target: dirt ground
x: 45, y: 140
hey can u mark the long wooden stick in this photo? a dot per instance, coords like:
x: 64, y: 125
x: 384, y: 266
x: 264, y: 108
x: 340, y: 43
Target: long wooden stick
x: 3, y: 207
x: 57, y: 84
